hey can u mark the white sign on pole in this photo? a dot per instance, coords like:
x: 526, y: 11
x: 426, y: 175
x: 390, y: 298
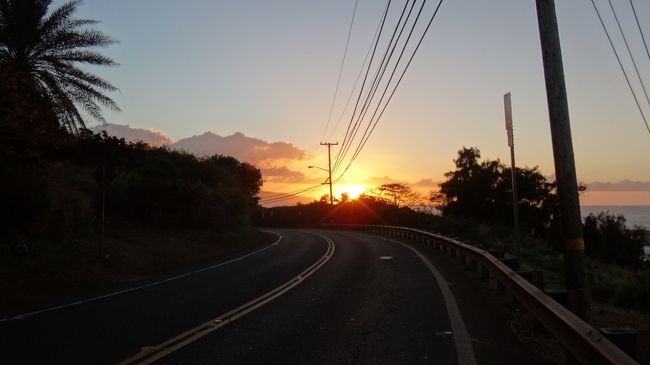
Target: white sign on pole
x: 508, y: 109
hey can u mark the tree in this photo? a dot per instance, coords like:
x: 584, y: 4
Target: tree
x: 39, y: 54
x: 482, y: 190
x: 608, y: 239
x: 396, y: 192
x: 468, y: 191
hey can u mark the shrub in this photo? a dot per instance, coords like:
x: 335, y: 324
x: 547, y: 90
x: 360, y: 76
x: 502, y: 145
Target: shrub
x: 619, y: 285
x: 607, y: 239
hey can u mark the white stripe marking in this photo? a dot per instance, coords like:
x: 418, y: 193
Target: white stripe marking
x: 462, y: 341
x: 30, y: 314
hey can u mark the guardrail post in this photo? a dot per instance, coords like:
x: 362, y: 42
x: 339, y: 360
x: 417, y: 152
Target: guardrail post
x: 472, y: 265
x: 535, y: 277
x: 500, y: 288
x: 496, y: 253
x: 511, y: 262
x: 453, y: 253
x: 484, y: 273
x: 559, y: 295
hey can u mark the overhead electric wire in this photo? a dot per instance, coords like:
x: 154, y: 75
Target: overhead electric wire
x: 295, y: 181
x: 645, y: 44
x: 338, y: 81
x: 629, y: 51
x: 351, y: 129
x: 376, y: 43
x: 381, y: 69
x: 354, y: 87
x: 406, y: 43
x: 629, y: 84
x: 394, y: 89
x: 291, y: 195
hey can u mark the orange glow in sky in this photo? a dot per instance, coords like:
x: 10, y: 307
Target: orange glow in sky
x: 353, y: 190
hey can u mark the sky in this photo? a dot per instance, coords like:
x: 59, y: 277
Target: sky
x: 269, y: 69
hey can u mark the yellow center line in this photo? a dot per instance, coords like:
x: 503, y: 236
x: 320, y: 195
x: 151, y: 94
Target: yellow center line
x: 151, y: 354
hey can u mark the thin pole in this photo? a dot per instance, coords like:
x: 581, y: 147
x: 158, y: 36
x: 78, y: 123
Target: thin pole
x: 329, y: 166
x: 103, y: 209
x: 515, y: 200
x: 513, y: 172
x: 565, y: 171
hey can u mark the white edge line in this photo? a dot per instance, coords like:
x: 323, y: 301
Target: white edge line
x: 79, y: 302
x: 462, y: 340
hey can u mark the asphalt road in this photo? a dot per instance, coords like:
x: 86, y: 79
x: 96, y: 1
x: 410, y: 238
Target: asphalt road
x: 315, y: 297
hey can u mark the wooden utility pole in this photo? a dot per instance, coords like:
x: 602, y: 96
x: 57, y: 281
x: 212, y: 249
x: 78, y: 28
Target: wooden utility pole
x: 565, y: 171
x: 329, y: 166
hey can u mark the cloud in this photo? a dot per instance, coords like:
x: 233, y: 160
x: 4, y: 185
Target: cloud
x: 426, y: 184
x: 281, y: 174
x: 625, y: 185
x: 374, y: 181
x: 253, y: 150
x: 151, y: 136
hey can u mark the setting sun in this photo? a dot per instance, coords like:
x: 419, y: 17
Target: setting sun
x: 353, y: 190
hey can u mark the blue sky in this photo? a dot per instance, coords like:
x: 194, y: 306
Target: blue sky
x: 268, y: 69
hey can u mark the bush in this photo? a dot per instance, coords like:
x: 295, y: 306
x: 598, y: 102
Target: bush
x: 53, y: 200
x: 619, y: 285
x: 607, y: 239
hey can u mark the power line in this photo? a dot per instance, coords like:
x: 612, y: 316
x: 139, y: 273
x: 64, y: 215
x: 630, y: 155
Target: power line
x: 296, y: 181
x: 289, y: 196
x: 393, y: 92
x: 383, y: 65
x: 640, y: 30
x: 611, y: 43
x: 338, y: 81
x: 376, y: 43
x: 356, y: 82
x: 365, y: 134
x: 377, y: 32
x: 627, y: 46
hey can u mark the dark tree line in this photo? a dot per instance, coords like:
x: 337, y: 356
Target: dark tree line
x: 382, y: 207
x: 54, y: 172
x: 59, y: 191
x: 482, y: 191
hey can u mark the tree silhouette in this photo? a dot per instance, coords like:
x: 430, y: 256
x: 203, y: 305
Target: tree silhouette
x: 396, y: 191
x: 483, y: 190
x: 39, y: 54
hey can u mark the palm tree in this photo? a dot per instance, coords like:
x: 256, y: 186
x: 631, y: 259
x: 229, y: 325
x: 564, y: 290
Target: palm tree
x: 39, y: 58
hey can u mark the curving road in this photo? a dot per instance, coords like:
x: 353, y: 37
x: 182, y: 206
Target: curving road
x: 314, y: 297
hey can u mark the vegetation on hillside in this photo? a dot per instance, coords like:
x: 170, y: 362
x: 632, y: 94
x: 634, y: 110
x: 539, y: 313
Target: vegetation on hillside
x: 58, y: 178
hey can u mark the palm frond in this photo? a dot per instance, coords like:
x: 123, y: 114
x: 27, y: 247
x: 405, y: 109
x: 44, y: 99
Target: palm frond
x: 48, y: 47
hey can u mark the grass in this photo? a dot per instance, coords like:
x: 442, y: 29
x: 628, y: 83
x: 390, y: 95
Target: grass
x: 70, y: 267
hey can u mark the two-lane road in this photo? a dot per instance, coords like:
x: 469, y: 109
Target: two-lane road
x: 315, y: 297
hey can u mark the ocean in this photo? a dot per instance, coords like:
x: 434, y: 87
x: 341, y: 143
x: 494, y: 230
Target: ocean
x: 634, y: 214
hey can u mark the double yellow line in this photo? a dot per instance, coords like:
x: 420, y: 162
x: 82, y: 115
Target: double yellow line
x: 151, y: 354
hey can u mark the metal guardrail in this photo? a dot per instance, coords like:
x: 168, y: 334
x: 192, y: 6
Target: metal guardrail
x: 585, y: 343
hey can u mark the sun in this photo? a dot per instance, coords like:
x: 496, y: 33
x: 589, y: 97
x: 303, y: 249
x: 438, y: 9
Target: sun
x: 353, y: 190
